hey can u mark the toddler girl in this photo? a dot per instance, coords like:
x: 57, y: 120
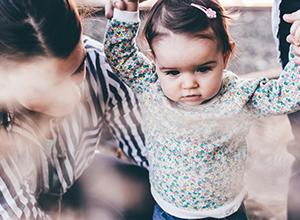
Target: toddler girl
x: 196, y: 114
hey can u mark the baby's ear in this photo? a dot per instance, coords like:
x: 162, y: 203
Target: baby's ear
x: 148, y: 52
x: 228, y: 55
x: 226, y: 58
x: 150, y: 55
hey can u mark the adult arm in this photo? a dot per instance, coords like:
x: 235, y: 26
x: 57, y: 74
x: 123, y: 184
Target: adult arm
x: 16, y: 199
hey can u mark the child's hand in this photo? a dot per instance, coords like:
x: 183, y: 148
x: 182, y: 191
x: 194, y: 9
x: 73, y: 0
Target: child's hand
x: 294, y: 36
x: 128, y: 5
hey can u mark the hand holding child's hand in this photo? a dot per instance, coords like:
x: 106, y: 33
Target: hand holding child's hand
x: 128, y: 5
x: 294, y: 36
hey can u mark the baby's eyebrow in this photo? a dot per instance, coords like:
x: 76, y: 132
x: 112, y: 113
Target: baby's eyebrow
x: 174, y: 68
x: 209, y: 62
x: 169, y: 68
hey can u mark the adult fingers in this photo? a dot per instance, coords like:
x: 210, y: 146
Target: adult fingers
x: 119, y: 4
x: 290, y: 18
x: 136, y: 1
x: 293, y: 40
x: 295, y: 26
x: 297, y: 60
x: 109, y: 10
x: 110, y: 6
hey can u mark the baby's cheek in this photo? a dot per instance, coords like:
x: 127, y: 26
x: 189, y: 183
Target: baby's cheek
x: 169, y: 90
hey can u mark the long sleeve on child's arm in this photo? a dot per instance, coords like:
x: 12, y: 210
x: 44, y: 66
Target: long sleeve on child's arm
x: 277, y: 96
x: 122, y: 53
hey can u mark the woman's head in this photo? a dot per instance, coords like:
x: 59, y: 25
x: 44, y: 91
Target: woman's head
x: 190, y: 47
x: 32, y: 28
x: 40, y: 51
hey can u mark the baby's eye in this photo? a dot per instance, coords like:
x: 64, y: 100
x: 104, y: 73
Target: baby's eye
x: 172, y: 72
x: 203, y: 69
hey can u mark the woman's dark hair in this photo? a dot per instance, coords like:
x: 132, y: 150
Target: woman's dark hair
x: 31, y: 28
x: 180, y: 17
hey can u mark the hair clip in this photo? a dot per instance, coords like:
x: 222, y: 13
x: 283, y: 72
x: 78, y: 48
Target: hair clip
x: 210, y: 13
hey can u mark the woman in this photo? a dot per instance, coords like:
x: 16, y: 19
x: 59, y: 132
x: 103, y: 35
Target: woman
x: 57, y: 91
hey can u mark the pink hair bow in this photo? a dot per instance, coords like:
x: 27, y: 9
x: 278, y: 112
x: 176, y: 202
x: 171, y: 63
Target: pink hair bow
x: 210, y: 13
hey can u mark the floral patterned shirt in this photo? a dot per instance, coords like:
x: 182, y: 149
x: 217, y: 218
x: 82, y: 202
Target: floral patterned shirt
x: 197, y: 154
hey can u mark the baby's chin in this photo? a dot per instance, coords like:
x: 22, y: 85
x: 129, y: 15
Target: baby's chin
x: 190, y: 104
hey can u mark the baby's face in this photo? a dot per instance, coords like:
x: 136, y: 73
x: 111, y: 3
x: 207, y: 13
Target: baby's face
x: 45, y: 84
x: 189, y: 69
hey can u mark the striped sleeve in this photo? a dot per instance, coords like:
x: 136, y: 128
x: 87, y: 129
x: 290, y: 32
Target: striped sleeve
x: 123, y: 117
x: 121, y: 110
x: 16, y: 200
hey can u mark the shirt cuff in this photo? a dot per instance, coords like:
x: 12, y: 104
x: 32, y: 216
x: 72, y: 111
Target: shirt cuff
x: 126, y: 16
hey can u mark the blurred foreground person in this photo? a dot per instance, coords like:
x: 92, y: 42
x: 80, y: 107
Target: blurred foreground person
x: 57, y: 91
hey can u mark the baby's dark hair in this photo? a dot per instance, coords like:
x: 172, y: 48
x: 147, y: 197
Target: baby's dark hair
x: 180, y: 17
x: 30, y: 28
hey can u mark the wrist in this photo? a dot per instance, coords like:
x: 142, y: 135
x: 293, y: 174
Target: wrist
x: 126, y: 16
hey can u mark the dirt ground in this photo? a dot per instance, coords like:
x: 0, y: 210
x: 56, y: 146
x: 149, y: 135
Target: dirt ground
x: 269, y: 162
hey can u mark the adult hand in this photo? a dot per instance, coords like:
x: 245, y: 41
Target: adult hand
x: 294, y: 36
x: 128, y: 5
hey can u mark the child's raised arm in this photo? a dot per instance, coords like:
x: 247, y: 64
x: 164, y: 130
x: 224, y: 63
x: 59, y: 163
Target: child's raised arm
x: 294, y: 36
x: 281, y: 95
x: 121, y: 49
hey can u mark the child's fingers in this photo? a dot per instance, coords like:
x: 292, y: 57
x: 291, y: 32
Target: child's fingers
x: 290, y: 18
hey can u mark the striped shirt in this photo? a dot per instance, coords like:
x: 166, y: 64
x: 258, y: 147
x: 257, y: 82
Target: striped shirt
x: 35, y: 164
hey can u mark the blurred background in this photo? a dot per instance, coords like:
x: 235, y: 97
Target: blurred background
x: 269, y: 163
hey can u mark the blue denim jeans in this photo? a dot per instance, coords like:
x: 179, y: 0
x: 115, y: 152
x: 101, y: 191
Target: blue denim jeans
x: 160, y: 214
